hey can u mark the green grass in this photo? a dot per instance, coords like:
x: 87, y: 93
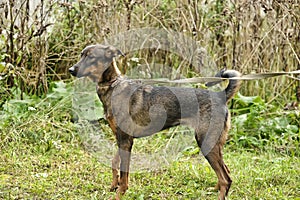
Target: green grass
x: 71, y: 173
x: 43, y: 155
x: 67, y: 171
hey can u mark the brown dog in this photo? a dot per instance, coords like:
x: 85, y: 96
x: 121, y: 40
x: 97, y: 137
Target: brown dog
x: 135, y: 110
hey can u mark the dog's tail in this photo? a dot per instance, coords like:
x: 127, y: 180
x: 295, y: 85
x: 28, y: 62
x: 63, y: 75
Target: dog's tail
x: 234, y: 84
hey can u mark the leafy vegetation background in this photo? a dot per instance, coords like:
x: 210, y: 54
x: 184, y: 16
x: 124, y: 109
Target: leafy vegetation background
x: 45, y: 156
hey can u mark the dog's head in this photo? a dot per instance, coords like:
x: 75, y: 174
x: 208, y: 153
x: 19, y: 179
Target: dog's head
x: 94, y: 61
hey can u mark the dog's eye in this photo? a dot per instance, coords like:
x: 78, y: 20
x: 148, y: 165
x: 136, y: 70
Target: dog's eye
x: 91, y: 55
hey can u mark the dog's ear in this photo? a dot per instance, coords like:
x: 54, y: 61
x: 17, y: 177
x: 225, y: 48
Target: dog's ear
x: 111, y: 52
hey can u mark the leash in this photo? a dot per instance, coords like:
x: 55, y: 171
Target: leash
x: 247, y: 77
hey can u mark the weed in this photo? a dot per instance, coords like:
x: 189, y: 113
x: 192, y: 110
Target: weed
x: 260, y: 125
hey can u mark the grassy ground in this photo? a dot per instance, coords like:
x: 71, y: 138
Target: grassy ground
x: 64, y: 170
x: 43, y: 155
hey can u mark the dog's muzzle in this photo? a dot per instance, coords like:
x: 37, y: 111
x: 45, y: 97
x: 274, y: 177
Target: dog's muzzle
x: 73, y: 70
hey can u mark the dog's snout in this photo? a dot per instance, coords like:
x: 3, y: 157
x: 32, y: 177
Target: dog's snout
x: 73, y: 70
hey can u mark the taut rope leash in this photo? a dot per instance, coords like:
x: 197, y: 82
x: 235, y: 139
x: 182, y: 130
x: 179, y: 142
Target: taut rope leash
x: 246, y: 77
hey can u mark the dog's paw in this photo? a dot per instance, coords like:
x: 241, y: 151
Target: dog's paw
x: 117, y: 197
x: 121, y: 190
x: 216, y: 188
x: 113, y: 187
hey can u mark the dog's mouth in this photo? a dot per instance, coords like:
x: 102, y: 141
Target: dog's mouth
x: 74, y: 72
x: 80, y: 75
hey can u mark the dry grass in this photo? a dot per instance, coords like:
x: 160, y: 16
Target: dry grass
x: 250, y: 36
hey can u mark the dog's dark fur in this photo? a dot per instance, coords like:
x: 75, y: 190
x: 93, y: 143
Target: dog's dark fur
x: 135, y: 110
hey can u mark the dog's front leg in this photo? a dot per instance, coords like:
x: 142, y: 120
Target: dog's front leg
x: 125, y: 143
x: 115, y: 165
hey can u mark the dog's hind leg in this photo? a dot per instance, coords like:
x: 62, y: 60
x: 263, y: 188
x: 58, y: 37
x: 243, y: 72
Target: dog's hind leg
x: 215, y: 159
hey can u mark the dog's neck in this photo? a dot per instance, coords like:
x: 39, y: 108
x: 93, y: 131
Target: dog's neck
x: 111, y: 76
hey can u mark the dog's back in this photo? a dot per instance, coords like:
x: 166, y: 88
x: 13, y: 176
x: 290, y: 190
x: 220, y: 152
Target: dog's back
x: 148, y: 109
